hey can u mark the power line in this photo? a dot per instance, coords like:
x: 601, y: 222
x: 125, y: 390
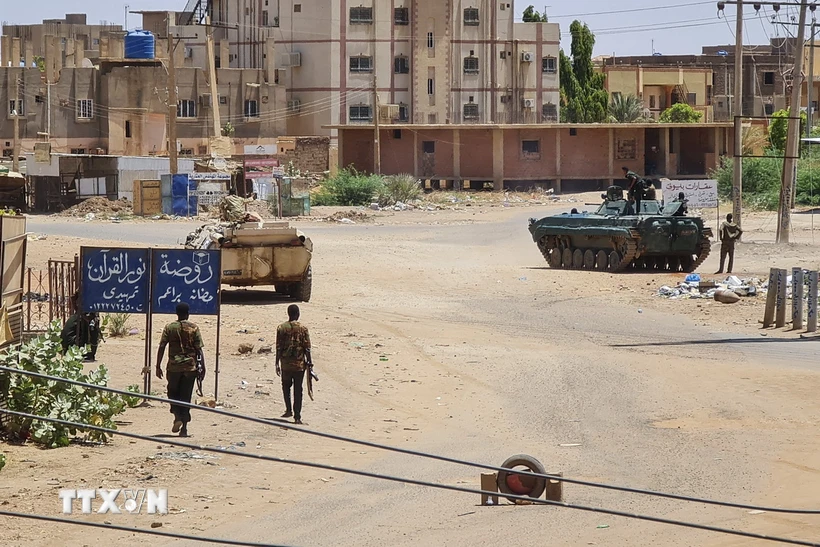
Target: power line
x: 632, y: 10
x: 416, y: 482
x: 151, y: 531
x: 410, y: 452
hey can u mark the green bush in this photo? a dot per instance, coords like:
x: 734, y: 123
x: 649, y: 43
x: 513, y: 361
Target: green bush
x: 680, y: 113
x: 57, y: 399
x: 133, y: 401
x: 779, y: 128
x: 115, y: 324
x: 404, y: 188
x: 349, y: 188
x: 2, y: 461
x: 762, y: 179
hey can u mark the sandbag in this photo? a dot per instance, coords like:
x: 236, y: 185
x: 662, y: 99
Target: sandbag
x: 726, y: 296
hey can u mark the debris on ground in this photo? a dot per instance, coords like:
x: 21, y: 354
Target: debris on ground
x: 99, y: 207
x: 349, y: 217
x: 694, y: 287
x: 245, y: 348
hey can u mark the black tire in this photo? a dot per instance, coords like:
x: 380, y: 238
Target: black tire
x: 301, y: 291
x: 531, y: 487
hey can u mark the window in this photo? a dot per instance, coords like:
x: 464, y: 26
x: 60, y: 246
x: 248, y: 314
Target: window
x: 573, y: 132
x: 404, y: 113
x: 265, y: 18
x: 428, y: 147
x: 127, y: 129
x: 39, y: 99
x: 401, y: 65
x: 361, y: 16
x: 297, y: 8
x: 401, y: 16
x: 85, y: 109
x: 78, y: 151
x: 223, y: 100
x: 470, y: 111
x: 397, y: 133
x: 768, y: 78
x: 503, y: 54
x: 531, y: 147
x: 692, y: 98
x: 251, y: 108
x: 430, y: 86
x: 549, y: 112
x: 361, y: 113
x: 186, y: 109
x: 19, y: 108
x: 471, y: 17
x: 430, y: 42
x: 471, y: 65
x: 361, y: 63
x: 549, y: 65
x: 186, y: 151
x: 651, y: 101
x: 95, y: 41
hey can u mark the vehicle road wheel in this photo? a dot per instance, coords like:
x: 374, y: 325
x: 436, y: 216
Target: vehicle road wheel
x: 566, y: 258
x: 614, y: 260
x: 578, y: 259
x: 589, y: 259
x: 555, y: 258
x: 602, y: 261
x: 301, y: 291
x: 522, y: 485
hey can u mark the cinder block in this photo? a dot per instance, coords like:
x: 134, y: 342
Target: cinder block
x: 489, y: 483
x: 555, y: 488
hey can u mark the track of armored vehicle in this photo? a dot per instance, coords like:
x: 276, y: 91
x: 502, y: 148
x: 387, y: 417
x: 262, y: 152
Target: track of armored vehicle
x: 615, y: 239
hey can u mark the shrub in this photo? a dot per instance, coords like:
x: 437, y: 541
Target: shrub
x: 57, y: 399
x: 349, y: 188
x: 680, y: 113
x: 133, y: 401
x: 762, y: 179
x: 779, y: 128
x: 2, y: 461
x: 397, y: 188
x: 114, y: 324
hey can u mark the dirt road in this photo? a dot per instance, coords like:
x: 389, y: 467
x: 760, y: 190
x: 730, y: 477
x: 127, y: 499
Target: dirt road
x: 444, y: 331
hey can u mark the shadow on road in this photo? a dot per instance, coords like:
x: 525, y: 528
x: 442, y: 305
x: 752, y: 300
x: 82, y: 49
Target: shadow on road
x: 254, y: 297
x: 725, y: 341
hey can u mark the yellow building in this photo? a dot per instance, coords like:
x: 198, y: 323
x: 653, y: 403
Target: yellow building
x: 659, y: 87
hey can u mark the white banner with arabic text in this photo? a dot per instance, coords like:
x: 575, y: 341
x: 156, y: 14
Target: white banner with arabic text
x: 702, y: 194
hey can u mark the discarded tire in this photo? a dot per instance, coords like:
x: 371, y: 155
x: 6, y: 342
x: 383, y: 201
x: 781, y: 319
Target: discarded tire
x: 522, y: 485
x: 726, y: 296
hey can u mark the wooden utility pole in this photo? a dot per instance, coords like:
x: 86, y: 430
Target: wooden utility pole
x: 15, y: 161
x: 793, y: 138
x: 810, y: 92
x: 737, y: 112
x: 377, y: 142
x: 209, y: 41
x: 173, y: 102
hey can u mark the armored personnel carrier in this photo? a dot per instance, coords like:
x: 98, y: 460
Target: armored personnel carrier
x: 260, y: 253
x: 614, y: 238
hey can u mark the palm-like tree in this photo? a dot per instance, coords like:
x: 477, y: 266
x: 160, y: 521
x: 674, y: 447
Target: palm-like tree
x: 625, y: 109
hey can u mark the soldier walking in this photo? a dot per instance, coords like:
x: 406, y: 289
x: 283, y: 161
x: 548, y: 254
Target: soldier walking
x: 186, y: 363
x: 729, y: 234
x: 293, y: 352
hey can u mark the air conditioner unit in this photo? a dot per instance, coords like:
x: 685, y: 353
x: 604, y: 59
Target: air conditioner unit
x: 205, y: 100
x: 527, y: 57
x: 290, y: 60
x: 529, y: 103
x: 388, y: 113
x: 295, y: 105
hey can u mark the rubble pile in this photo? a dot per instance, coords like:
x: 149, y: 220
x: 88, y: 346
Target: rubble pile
x: 100, y: 207
x: 349, y: 217
x: 693, y: 287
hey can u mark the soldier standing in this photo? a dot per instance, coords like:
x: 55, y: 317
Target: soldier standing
x: 293, y: 352
x: 186, y: 362
x: 636, y: 187
x: 729, y: 234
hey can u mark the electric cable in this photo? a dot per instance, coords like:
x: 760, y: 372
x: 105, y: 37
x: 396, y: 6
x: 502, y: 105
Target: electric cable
x: 416, y: 482
x: 151, y: 531
x: 410, y: 452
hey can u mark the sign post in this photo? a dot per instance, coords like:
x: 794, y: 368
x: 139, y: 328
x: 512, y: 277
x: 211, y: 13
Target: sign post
x: 191, y: 276
x: 118, y: 281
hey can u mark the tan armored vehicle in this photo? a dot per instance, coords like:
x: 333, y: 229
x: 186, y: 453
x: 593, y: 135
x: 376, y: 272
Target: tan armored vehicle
x: 260, y: 253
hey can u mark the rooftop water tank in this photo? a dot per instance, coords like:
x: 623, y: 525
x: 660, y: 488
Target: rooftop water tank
x: 139, y: 44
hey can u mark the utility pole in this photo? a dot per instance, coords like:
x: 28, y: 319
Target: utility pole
x: 15, y: 161
x: 793, y: 138
x: 172, y: 102
x: 810, y: 92
x: 737, y: 112
x: 377, y: 142
x: 209, y: 41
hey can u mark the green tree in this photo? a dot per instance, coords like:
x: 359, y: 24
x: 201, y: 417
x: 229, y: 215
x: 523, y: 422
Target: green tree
x: 532, y: 16
x: 625, y: 109
x: 583, y: 97
x: 680, y: 113
x: 779, y: 127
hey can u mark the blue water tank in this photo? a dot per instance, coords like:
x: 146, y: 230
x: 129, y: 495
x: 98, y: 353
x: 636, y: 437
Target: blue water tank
x: 139, y: 44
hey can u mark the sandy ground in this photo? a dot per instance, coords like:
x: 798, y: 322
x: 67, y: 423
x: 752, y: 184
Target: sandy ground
x: 445, y: 331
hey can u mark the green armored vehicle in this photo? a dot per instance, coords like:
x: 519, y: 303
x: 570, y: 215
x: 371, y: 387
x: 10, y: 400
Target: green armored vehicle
x: 615, y: 239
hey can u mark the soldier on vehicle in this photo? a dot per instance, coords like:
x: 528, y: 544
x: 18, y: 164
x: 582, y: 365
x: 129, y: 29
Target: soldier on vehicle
x: 635, y: 190
x: 186, y: 363
x: 729, y: 234
x: 683, y: 208
x: 293, y: 352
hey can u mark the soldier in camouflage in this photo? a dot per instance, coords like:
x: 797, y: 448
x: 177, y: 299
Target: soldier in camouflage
x: 186, y: 362
x: 293, y: 352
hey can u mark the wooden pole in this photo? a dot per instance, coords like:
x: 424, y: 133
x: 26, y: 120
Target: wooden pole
x: 737, y: 90
x: 377, y: 143
x: 793, y: 140
x: 771, y: 299
x: 172, y: 102
x: 797, y: 298
x: 812, y: 303
x: 782, y: 285
x: 15, y: 161
x: 209, y: 40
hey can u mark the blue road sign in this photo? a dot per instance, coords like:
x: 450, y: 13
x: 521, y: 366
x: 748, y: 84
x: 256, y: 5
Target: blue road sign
x: 184, y: 275
x: 114, y: 280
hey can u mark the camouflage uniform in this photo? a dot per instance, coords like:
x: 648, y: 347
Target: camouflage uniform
x: 233, y: 209
x: 636, y: 189
x: 292, y: 345
x: 183, y: 339
x: 729, y: 234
